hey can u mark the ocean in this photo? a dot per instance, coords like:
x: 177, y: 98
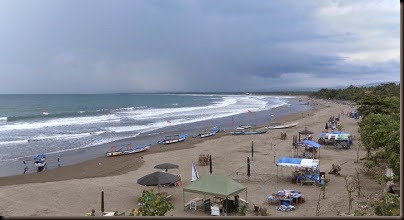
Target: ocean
x: 86, y: 125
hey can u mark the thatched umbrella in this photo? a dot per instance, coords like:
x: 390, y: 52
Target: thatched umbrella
x: 305, y: 132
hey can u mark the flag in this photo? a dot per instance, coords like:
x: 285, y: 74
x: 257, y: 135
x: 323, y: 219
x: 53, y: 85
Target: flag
x: 195, y: 174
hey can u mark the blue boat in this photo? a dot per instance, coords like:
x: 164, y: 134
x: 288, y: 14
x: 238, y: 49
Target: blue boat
x: 173, y: 139
x: 212, y: 132
x: 40, y: 160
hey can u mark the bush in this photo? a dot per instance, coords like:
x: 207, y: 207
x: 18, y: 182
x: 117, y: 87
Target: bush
x: 153, y: 204
x: 242, y: 209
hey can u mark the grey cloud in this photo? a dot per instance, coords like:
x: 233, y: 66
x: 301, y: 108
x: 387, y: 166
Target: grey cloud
x: 104, y: 46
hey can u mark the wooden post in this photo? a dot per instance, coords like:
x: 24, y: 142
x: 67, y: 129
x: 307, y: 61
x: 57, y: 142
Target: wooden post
x: 252, y: 150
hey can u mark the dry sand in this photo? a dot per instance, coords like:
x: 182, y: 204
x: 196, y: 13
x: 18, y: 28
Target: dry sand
x: 75, y: 190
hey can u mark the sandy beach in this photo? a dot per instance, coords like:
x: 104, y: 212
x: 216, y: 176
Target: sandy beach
x: 75, y: 190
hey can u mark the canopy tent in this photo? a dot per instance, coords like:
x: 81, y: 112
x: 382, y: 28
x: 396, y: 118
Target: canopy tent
x: 215, y: 185
x: 338, y: 138
x: 297, y: 162
x: 337, y: 135
x: 311, y: 146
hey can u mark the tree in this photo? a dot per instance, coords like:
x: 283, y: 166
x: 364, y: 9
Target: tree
x: 153, y: 204
x: 388, y: 205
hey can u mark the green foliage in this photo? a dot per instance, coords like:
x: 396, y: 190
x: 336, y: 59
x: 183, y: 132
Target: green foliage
x: 242, y: 209
x: 383, y: 131
x: 153, y: 204
x: 359, y: 213
x: 379, y: 104
x: 389, y: 205
x: 354, y: 93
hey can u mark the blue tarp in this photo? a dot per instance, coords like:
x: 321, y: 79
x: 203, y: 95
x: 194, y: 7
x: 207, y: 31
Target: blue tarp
x: 290, y: 160
x: 312, y: 143
x: 297, y: 162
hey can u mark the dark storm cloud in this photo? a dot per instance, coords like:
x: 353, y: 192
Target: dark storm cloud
x: 131, y: 46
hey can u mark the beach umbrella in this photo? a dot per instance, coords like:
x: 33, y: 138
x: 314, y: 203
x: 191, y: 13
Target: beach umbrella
x: 158, y: 178
x: 165, y: 166
x: 248, y: 167
x: 102, y: 202
x: 305, y: 132
x: 210, y: 164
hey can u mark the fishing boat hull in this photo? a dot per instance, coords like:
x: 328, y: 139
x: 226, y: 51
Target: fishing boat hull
x: 212, y: 132
x: 175, y: 140
x: 282, y: 126
x: 137, y: 149
x: 243, y: 127
x: 248, y: 132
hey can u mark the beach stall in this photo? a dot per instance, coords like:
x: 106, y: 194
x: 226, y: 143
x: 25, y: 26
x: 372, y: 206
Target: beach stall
x: 311, y: 149
x: 340, y: 139
x: 306, y: 170
x: 220, y: 189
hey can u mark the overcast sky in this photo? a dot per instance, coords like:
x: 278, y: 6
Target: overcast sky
x: 184, y: 45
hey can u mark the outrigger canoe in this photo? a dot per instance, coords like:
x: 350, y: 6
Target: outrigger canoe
x: 282, y: 126
x: 173, y: 139
x: 212, y: 132
x: 124, y: 150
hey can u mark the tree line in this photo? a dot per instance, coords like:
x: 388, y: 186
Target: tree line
x: 379, y: 128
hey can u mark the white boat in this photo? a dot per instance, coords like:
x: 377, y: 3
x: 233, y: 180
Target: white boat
x: 128, y: 149
x: 137, y: 149
x: 242, y: 127
x: 45, y: 113
x: 212, y: 132
x: 282, y: 126
x: 174, y: 139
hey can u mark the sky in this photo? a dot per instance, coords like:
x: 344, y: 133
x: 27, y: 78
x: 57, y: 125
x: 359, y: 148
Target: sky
x: 74, y: 46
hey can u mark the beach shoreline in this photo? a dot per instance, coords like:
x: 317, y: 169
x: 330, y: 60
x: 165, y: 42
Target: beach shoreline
x: 101, y: 166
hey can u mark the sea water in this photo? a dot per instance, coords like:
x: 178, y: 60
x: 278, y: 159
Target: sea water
x: 61, y: 124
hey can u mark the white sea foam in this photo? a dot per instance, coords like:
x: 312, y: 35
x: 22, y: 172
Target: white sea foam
x: 227, y: 106
x: 14, y: 142
x: 60, y: 122
x: 3, y: 118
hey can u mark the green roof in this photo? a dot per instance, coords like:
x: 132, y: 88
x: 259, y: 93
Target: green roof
x: 215, y: 185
